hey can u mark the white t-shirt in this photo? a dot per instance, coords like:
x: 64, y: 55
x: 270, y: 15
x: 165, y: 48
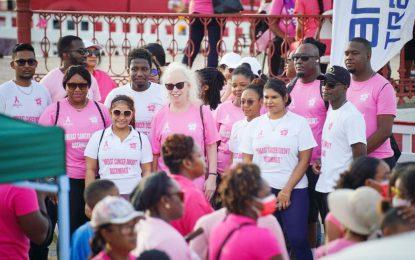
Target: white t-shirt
x: 275, y: 145
x: 344, y: 127
x: 237, y: 134
x: 53, y: 83
x: 25, y: 103
x: 147, y: 103
x: 119, y: 161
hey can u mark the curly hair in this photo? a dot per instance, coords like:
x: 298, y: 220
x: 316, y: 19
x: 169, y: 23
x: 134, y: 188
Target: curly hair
x: 215, y: 80
x: 362, y: 168
x: 139, y: 53
x: 175, y: 149
x: 239, y: 185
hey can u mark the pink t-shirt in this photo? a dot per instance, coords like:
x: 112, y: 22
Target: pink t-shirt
x: 374, y: 97
x: 166, y: 123
x: 284, y: 7
x: 226, y: 115
x: 104, y: 256
x: 15, y: 202
x: 195, y: 205
x: 79, y: 127
x: 310, y: 7
x: 53, y: 82
x: 200, y: 244
x: 306, y: 101
x: 334, y: 247
x: 200, y: 6
x: 247, y: 242
x: 105, y: 83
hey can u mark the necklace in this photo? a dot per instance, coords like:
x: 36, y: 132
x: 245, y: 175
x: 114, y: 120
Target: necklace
x: 21, y: 89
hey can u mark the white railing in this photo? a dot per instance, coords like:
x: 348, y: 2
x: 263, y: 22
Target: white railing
x: 407, y: 130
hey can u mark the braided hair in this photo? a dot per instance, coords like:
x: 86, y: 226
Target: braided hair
x: 215, y: 80
x: 239, y: 186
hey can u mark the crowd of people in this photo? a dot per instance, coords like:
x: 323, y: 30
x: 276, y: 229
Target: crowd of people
x: 219, y: 163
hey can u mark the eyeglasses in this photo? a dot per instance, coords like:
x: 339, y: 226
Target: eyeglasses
x: 154, y: 72
x: 126, y: 113
x: 73, y: 86
x: 22, y: 62
x: 81, y: 51
x: 178, y: 85
x: 296, y: 57
x: 249, y: 102
x: 95, y: 53
x: 179, y: 194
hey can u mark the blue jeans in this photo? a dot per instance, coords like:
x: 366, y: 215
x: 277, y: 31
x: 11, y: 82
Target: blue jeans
x: 294, y: 223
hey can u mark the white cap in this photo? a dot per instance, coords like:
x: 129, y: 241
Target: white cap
x: 253, y: 62
x: 230, y: 59
x: 89, y: 44
x: 356, y: 209
x: 113, y: 210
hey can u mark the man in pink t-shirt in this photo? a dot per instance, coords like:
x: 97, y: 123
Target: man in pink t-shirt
x: 306, y: 101
x: 72, y: 51
x: 23, y: 217
x: 374, y: 97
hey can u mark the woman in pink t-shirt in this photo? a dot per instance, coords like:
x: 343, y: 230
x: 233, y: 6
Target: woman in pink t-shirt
x: 185, y: 162
x: 246, y: 197
x: 80, y: 118
x: 113, y: 220
x: 162, y: 199
x: 105, y: 83
x: 230, y: 112
x: 185, y: 115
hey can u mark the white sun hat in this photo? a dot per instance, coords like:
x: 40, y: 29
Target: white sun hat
x: 90, y: 44
x: 356, y: 209
x: 230, y: 59
x: 253, y: 62
x: 113, y: 210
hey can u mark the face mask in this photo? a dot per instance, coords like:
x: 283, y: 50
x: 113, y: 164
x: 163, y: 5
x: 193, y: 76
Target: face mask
x: 269, y: 205
x: 398, y: 202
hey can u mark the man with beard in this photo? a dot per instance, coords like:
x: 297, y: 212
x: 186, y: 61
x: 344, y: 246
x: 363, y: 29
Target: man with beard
x: 306, y: 101
x: 22, y: 97
x: 374, y: 97
x: 72, y: 51
x: 147, y: 96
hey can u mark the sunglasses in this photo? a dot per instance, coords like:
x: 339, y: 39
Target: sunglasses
x: 81, y: 51
x: 73, y: 86
x: 179, y: 194
x: 178, y: 85
x: 126, y: 113
x: 154, y: 72
x: 249, y: 102
x: 302, y: 57
x: 95, y: 53
x: 22, y: 62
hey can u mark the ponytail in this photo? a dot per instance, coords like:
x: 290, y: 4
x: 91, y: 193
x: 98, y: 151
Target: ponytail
x: 97, y: 243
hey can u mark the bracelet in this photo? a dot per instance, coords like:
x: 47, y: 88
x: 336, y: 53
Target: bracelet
x: 213, y: 173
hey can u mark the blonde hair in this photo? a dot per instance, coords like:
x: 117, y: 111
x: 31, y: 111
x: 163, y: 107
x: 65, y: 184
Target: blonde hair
x: 190, y: 77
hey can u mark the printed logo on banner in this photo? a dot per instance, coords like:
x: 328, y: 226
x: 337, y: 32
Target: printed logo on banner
x: 38, y: 101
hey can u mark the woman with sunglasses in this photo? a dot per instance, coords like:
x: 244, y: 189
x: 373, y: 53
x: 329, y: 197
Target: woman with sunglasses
x: 246, y: 197
x: 185, y: 115
x: 93, y: 59
x: 119, y: 153
x: 161, y: 199
x: 185, y: 162
x: 80, y: 117
x: 251, y: 103
x: 114, y: 220
x: 230, y: 112
x: 281, y: 142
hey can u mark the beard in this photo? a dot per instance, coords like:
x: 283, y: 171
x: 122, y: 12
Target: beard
x: 26, y: 77
x: 352, y: 71
x: 300, y: 74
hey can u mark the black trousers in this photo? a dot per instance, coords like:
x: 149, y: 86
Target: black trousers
x: 197, y: 31
x: 76, y: 204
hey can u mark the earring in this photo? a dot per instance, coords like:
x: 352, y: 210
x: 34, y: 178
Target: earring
x: 167, y: 206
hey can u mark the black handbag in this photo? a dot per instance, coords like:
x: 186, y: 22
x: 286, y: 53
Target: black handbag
x: 227, y: 6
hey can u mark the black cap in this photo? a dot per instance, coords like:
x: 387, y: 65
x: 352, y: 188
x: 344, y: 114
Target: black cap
x: 338, y: 74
